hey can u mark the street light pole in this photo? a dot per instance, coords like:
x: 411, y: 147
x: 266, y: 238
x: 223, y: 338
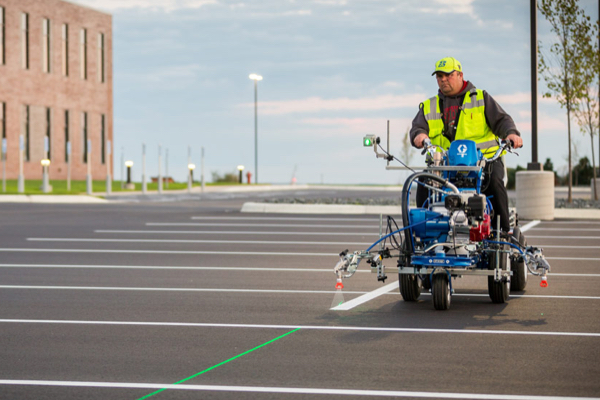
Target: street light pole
x: 255, y: 78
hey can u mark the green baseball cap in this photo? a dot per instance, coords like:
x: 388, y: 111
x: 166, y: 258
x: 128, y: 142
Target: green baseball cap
x: 447, y: 65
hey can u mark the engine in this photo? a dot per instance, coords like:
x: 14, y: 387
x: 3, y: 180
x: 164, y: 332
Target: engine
x: 462, y: 219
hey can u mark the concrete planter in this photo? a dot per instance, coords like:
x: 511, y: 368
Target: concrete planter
x: 535, y: 194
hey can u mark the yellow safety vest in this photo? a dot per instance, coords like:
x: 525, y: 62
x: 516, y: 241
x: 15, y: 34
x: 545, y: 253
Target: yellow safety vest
x: 471, y: 123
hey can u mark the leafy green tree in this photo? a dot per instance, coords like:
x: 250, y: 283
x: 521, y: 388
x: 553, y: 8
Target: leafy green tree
x: 561, y: 67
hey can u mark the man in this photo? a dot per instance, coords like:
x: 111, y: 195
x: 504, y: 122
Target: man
x: 461, y: 111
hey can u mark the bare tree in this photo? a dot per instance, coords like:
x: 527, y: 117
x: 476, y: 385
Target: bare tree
x: 587, y: 114
x: 561, y: 67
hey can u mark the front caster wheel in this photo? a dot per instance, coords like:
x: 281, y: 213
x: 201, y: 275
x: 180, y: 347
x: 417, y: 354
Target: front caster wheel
x: 441, y: 291
x: 517, y: 265
x: 410, y: 288
x: 500, y: 290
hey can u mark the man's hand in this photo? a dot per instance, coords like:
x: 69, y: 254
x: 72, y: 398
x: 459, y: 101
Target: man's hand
x: 516, y: 140
x: 421, y: 137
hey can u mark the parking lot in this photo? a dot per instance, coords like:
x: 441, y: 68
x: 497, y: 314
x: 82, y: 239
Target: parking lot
x: 194, y: 299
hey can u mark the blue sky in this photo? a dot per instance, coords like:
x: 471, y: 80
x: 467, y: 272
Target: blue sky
x: 334, y: 70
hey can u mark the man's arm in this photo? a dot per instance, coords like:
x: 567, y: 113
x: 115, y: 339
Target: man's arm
x: 500, y: 122
x: 420, y: 129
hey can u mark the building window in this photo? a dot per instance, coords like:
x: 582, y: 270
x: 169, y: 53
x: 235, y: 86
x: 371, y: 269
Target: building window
x: 103, y: 137
x: 83, y: 53
x: 25, y: 40
x: 65, y: 50
x: 26, y: 130
x: 84, y: 136
x: 48, y: 141
x: 2, y: 54
x: 101, y: 76
x: 46, y: 63
x: 67, y: 144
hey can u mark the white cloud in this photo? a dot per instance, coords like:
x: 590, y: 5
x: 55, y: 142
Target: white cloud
x: 453, y: 7
x: 153, y: 5
x: 316, y: 104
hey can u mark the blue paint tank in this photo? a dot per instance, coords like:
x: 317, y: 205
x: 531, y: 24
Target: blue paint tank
x: 436, y: 229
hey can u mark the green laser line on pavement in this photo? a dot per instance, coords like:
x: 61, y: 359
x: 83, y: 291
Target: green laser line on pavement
x: 218, y: 365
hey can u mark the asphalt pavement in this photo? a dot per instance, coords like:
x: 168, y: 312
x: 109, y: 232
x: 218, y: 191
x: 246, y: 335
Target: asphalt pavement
x: 192, y: 299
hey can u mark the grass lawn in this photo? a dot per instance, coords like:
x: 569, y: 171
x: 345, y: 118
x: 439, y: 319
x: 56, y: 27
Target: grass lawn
x: 79, y: 187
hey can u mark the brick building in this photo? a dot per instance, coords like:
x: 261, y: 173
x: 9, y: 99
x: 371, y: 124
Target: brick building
x: 55, y: 88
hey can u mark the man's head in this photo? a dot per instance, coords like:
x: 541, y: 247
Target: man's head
x: 449, y: 75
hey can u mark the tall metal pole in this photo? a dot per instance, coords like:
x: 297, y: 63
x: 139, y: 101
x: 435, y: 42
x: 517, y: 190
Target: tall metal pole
x: 534, y: 165
x: 202, y: 169
x: 144, y: 179
x: 160, y: 183
x: 166, y: 168
x: 256, y: 131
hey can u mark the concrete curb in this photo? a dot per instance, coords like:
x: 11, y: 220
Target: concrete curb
x: 250, y: 207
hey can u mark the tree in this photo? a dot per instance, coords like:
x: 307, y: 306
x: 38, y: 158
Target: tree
x: 561, y: 68
x: 587, y: 114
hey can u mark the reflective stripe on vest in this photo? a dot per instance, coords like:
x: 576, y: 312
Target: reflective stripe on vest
x: 471, y: 124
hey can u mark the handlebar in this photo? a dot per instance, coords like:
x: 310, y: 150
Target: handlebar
x: 505, y: 145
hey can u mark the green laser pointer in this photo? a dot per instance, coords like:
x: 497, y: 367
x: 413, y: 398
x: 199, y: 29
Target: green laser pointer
x: 218, y: 365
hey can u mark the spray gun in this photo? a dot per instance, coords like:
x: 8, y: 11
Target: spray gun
x: 537, y: 264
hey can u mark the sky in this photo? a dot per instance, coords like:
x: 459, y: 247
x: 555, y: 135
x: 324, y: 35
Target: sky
x: 333, y: 71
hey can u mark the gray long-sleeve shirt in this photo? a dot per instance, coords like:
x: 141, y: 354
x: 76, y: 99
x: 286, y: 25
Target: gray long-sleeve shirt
x: 497, y: 119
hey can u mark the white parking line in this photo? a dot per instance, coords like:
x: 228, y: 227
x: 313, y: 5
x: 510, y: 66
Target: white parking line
x: 371, y: 220
x: 234, y: 253
x: 170, y: 268
x: 308, y: 327
x: 261, y: 225
x: 362, y: 233
x: 99, y: 240
x: 285, y: 390
x: 207, y: 268
x: 367, y: 295
x: 563, y: 237
x: 567, y: 229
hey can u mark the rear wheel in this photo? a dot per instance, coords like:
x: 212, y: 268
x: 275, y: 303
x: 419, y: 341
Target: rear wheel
x: 441, y: 291
x: 500, y: 290
x: 410, y: 287
x: 517, y: 265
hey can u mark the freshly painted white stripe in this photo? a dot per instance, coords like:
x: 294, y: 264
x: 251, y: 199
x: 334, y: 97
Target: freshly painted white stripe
x: 362, y: 233
x: 311, y: 327
x: 243, y: 218
x: 98, y: 240
x: 366, y: 297
x: 285, y: 390
x: 159, y: 267
x: 530, y: 225
x: 261, y: 225
x: 234, y: 253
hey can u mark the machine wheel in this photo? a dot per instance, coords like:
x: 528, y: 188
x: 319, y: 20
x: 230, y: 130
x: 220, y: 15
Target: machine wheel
x: 519, y: 278
x: 441, y: 291
x: 410, y: 288
x: 499, y: 291
x: 426, y: 282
